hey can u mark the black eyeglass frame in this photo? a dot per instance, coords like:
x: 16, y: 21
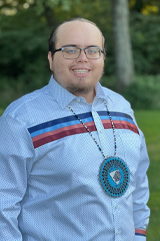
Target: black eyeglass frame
x: 61, y: 49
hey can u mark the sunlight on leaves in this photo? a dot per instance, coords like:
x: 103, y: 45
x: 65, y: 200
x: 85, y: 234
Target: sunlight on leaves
x: 150, y: 10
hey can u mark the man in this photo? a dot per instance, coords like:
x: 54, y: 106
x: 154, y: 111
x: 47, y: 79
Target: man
x: 73, y: 161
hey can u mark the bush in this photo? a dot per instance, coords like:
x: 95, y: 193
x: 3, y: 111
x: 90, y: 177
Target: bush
x: 109, y: 82
x: 12, y: 89
x: 145, y: 35
x: 142, y: 93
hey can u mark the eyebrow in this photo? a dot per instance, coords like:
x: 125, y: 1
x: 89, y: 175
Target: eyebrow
x: 74, y: 45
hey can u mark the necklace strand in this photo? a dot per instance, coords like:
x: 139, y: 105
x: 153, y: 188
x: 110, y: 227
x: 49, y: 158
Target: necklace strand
x: 113, y: 128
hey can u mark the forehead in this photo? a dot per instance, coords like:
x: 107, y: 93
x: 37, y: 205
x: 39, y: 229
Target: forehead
x: 80, y: 33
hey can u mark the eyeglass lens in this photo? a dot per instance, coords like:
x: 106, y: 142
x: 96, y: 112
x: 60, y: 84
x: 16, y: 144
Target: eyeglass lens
x: 74, y: 52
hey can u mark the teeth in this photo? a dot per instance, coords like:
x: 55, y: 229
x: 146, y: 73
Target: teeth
x: 80, y: 71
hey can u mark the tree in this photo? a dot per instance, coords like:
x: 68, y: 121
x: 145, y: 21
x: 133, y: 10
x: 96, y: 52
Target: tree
x: 146, y: 7
x: 122, y: 44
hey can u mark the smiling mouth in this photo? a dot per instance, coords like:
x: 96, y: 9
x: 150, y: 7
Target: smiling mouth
x: 81, y: 71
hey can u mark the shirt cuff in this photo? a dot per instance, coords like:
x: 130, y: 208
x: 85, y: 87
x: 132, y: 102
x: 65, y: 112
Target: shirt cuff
x: 140, y: 235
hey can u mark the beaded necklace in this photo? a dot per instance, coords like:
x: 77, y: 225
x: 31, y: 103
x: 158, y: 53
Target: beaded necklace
x: 114, y: 173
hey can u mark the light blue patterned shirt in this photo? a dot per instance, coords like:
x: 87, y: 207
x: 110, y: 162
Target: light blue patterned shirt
x: 49, y: 169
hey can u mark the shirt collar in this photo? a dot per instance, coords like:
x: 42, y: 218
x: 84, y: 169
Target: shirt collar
x: 103, y: 93
x: 60, y: 94
x: 100, y: 91
x: 64, y: 97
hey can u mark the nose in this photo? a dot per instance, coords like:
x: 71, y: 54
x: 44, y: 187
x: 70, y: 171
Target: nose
x: 82, y: 57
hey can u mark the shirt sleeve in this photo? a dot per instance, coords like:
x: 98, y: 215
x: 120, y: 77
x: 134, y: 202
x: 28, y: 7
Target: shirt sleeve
x: 16, y: 156
x: 140, y: 238
x: 141, y: 212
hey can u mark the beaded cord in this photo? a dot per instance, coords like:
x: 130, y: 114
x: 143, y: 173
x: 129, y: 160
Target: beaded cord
x: 113, y: 128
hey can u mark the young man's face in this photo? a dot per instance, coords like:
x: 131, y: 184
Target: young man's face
x: 67, y: 72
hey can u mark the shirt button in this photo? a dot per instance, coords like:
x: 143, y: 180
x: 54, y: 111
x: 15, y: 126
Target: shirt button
x: 100, y: 131
x: 117, y: 233
x: 78, y: 100
x: 116, y: 207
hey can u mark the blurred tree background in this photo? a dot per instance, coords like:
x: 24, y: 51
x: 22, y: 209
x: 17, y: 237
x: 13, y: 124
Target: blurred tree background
x: 25, y: 26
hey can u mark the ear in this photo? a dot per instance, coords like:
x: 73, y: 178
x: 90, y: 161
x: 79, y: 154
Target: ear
x: 50, y: 60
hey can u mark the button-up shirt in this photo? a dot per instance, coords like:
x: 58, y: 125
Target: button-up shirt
x: 49, y: 168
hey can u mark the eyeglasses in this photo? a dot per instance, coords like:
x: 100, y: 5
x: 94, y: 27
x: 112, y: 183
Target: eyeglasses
x: 71, y: 52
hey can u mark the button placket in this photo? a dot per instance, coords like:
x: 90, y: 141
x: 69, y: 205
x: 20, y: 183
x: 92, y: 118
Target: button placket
x: 116, y: 213
x: 101, y: 132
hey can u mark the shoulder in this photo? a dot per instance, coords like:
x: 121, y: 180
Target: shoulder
x: 116, y: 98
x: 27, y: 104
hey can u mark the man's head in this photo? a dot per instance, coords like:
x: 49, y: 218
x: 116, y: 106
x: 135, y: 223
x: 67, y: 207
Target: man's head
x: 79, y: 74
x: 53, y: 36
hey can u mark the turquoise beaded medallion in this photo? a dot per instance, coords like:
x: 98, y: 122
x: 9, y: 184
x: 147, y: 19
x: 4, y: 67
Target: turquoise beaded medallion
x: 114, y: 173
x: 114, y: 176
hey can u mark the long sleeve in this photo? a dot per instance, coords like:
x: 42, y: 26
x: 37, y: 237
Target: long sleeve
x: 141, y: 194
x: 15, y: 161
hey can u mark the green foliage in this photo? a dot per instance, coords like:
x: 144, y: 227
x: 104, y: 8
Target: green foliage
x: 1, y: 111
x: 148, y: 7
x: 65, y: 5
x: 24, y: 47
x: 109, y: 82
x: 143, y: 92
x: 23, y: 50
x: 145, y: 35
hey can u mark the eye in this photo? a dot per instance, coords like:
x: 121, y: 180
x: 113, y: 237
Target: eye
x: 92, y: 50
x: 70, y: 50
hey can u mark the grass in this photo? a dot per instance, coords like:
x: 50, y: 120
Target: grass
x: 149, y: 123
